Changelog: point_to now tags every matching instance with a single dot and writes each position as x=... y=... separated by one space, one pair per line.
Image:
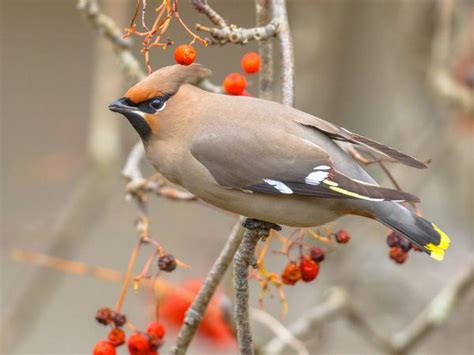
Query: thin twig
x=195 y=313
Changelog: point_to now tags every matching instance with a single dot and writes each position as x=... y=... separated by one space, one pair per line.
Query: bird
x=265 y=160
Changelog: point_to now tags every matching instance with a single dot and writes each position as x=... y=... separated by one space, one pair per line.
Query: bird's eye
x=157 y=103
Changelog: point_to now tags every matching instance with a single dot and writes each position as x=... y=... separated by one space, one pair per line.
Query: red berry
x=138 y=344
x=156 y=329
x=234 y=84
x=250 y=62
x=309 y=268
x=116 y=337
x=245 y=93
x=103 y=347
x=317 y=254
x=342 y=236
x=398 y=255
x=291 y=274
x=184 y=54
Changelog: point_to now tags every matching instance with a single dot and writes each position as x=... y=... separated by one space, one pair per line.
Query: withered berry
x=104 y=315
x=309 y=268
x=167 y=263
x=119 y=319
x=291 y=274
x=342 y=236
x=116 y=337
x=104 y=347
x=395 y=239
x=317 y=254
x=138 y=344
x=398 y=255
x=184 y=54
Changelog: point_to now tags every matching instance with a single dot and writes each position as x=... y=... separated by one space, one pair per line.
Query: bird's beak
x=120 y=106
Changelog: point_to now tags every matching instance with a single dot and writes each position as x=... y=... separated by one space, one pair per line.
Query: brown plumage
x=262 y=159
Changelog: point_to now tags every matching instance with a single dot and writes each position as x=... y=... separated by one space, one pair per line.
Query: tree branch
x=265 y=49
x=287 y=57
x=245 y=256
x=225 y=33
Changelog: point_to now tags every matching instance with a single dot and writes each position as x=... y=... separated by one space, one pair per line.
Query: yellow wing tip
x=437 y=251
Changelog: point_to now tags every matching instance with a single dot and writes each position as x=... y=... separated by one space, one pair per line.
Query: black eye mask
x=152 y=105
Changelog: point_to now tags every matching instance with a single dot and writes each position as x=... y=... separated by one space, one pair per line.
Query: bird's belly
x=295 y=211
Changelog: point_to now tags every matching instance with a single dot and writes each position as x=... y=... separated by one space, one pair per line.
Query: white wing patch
x=317 y=176
x=284 y=189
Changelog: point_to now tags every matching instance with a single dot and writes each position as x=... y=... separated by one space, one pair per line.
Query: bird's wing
x=275 y=165
x=339 y=133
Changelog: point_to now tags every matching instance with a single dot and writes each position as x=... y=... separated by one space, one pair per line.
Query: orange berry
x=116 y=337
x=156 y=329
x=398 y=255
x=103 y=347
x=309 y=268
x=184 y=54
x=234 y=84
x=138 y=344
x=250 y=62
x=291 y=274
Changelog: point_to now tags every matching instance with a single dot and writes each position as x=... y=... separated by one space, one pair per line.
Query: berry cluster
x=139 y=343
x=399 y=247
x=307 y=268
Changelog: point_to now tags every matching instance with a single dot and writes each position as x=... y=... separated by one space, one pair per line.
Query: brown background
x=359 y=63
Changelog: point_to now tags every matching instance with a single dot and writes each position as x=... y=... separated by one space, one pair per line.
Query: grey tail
x=421 y=232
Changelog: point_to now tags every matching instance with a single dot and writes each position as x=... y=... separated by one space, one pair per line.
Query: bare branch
x=305 y=326
x=287 y=57
x=109 y=29
x=204 y=8
x=239 y=35
x=228 y=33
x=279 y=329
x=339 y=304
x=265 y=49
x=195 y=313
x=245 y=257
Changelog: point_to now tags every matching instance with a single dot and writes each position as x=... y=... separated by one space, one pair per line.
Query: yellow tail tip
x=437 y=251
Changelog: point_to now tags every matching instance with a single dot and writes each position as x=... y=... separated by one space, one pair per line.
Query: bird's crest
x=166 y=81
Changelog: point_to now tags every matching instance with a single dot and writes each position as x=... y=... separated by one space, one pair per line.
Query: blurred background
x=368 y=65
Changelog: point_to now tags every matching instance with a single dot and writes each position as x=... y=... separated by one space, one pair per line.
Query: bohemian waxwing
x=264 y=160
